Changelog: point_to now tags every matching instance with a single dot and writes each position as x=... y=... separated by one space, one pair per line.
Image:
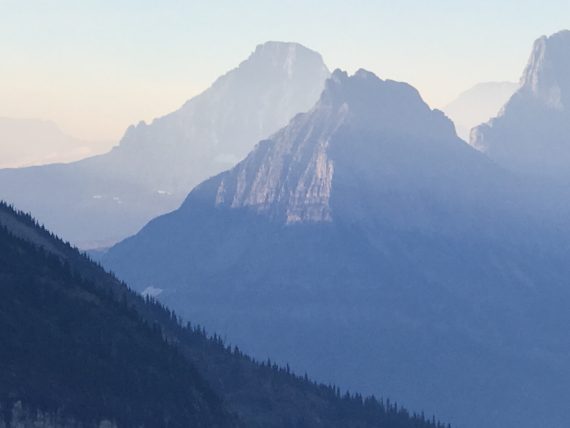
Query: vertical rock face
x=292 y=175
x=547 y=75
x=102 y=199
x=532 y=134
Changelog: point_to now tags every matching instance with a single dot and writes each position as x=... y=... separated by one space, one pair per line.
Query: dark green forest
x=76 y=342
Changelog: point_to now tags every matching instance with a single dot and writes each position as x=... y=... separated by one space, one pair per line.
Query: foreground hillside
x=73 y=349
x=80 y=349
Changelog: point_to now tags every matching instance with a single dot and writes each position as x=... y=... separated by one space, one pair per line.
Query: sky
x=96 y=66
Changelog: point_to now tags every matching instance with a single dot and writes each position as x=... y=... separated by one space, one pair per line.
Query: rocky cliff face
x=531 y=136
x=547 y=74
x=294 y=176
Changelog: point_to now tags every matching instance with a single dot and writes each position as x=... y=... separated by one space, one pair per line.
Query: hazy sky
x=94 y=67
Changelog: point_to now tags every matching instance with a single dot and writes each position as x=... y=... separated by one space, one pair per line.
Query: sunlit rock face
x=531 y=135
x=355 y=134
x=289 y=176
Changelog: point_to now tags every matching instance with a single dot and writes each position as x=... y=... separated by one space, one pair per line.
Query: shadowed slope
x=79 y=347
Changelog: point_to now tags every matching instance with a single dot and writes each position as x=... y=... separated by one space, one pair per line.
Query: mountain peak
x=291 y=57
x=547 y=75
x=155 y=164
x=361 y=123
x=274 y=46
x=530 y=135
x=217 y=128
x=379 y=104
x=361 y=77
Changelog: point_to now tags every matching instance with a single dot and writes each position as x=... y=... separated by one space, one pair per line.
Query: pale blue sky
x=94 y=67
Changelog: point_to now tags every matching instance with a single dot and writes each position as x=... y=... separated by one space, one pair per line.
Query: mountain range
x=358 y=239
x=100 y=200
x=369 y=245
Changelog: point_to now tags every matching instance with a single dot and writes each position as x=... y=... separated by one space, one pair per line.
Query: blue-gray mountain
x=531 y=135
x=365 y=242
x=103 y=199
x=81 y=350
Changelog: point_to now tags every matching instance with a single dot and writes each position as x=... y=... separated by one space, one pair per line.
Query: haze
x=95 y=67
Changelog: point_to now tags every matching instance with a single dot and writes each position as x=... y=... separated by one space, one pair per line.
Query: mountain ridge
x=155 y=165
x=529 y=136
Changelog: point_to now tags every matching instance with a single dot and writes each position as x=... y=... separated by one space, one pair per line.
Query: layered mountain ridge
x=155 y=165
x=368 y=244
x=291 y=175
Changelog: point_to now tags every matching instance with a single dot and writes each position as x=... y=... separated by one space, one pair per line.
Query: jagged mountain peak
x=547 y=75
x=285 y=52
x=368 y=130
x=361 y=87
x=276 y=59
x=383 y=105
x=530 y=134
x=277 y=80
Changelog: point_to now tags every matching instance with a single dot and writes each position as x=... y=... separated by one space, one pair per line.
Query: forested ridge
x=78 y=343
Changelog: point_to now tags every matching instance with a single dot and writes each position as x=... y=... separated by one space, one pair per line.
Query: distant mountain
x=102 y=199
x=478 y=104
x=25 y=142
x=81 y=350
x=369 y=245
x=532 y=133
